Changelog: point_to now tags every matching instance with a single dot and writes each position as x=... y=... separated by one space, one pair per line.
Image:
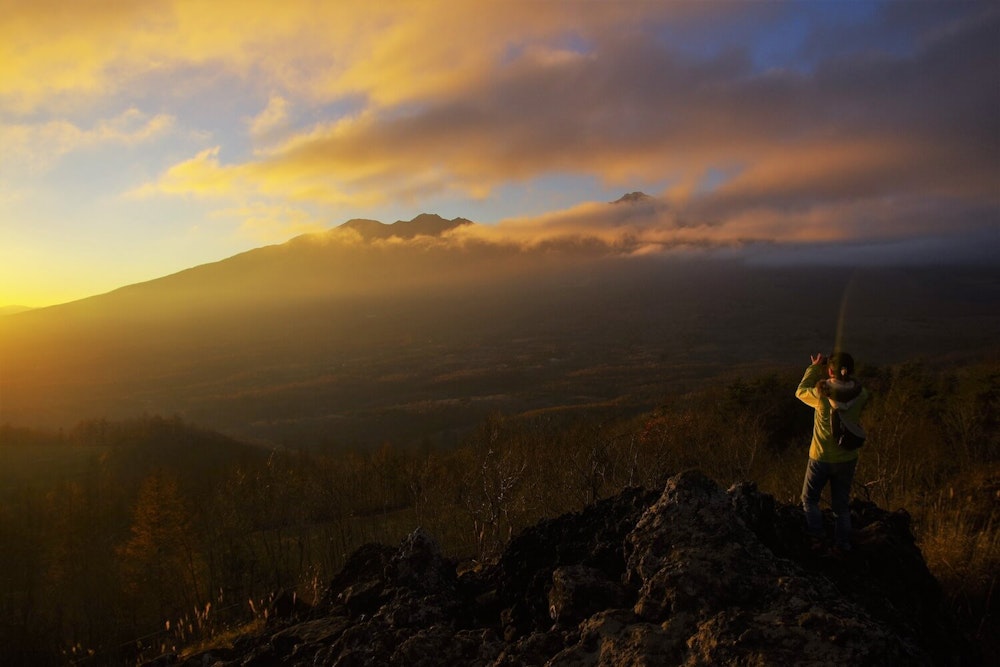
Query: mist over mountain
x=420 y=328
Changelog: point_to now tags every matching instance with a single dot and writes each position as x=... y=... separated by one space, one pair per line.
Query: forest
x=125 y=539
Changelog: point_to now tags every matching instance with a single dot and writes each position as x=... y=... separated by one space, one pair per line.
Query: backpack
x=849 y=435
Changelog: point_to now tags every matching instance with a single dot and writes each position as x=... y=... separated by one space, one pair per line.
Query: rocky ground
x=692 y=575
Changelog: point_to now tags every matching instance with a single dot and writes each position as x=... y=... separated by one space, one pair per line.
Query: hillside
x=126 y=540
x=336 y=340
x=694 y=575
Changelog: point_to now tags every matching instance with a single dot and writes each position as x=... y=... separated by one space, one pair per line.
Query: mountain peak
x=425 y=224
x=632 y=198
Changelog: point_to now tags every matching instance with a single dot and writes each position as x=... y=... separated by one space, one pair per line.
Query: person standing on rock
x=829 y=386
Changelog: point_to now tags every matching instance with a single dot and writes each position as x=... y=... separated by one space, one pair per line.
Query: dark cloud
x=639 y=106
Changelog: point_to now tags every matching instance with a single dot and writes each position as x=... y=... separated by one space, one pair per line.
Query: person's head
x=840 y=365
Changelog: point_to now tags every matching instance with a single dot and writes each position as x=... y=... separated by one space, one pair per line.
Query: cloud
x=626 y=107
x=55 y=54
x=272 y=223
x=35 y=147
x=201 y=175
x=51 y=51
x=271 y=121
x=436 y=99
x=848 y=232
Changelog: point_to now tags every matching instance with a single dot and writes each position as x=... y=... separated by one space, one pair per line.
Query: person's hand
x=818 y=359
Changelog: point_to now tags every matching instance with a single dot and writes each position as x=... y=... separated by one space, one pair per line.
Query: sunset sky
x=141 y=138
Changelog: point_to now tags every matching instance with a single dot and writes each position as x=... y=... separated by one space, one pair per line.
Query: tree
x=492 y=495
x=159 y=562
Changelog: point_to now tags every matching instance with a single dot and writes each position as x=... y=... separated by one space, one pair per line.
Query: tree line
x=152 y=533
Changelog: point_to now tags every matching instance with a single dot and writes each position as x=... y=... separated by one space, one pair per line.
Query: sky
x=138 y=139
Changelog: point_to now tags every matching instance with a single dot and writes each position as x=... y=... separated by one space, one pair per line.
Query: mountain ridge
x=327 y=338
x=425 y=224
x=632 y=198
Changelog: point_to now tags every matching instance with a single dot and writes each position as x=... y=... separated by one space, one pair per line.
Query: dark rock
x=419 y=566
x=361 y=578
x=533 y=649
x=593 y=537
x=286 y=605
x=208 y=658
x=694 y=575
x=364 y=597
x=706 y=576
x=579 y=591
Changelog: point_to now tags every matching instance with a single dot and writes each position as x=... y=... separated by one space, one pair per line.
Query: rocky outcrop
x=692 y=575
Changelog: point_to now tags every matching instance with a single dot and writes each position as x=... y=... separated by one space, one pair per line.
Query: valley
x=412 y=362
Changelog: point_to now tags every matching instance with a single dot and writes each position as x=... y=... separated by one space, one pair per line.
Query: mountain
x=692 y=575
x=328 y=340
x=633 y=198
x=425 y=224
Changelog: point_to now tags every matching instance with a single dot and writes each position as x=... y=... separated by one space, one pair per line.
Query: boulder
x=579 y=591
x=690 y=575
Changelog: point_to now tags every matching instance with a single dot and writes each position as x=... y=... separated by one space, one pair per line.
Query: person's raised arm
x=806 y=391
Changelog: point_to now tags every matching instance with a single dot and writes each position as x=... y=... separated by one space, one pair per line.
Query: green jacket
x=824 y=447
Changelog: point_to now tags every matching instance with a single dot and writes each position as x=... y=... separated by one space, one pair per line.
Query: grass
x=959 y=535
x=223 y=638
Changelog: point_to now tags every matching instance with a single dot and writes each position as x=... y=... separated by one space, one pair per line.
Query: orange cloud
x=625 y=110
x=456 y=99
x=51 y=50
x=657 y=226
x=55 y=53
